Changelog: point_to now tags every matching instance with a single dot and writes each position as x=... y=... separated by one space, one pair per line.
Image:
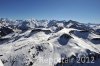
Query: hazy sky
x=79 y=10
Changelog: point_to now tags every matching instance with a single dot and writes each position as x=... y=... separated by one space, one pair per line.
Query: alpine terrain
x=49 y=43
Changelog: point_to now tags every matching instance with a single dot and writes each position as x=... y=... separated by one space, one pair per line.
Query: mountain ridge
x=32 y=42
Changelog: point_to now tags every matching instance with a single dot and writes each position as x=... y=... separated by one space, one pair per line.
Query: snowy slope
x=46 y=43
x=1 y=64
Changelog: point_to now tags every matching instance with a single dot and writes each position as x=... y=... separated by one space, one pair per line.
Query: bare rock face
x=63 y=40
x=5 y=30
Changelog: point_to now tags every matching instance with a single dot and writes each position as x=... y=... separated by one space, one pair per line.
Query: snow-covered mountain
x=49 y=43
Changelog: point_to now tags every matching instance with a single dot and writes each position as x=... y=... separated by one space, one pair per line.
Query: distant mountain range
x=49 y=43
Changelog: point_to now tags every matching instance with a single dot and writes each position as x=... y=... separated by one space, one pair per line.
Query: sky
x=85 y=11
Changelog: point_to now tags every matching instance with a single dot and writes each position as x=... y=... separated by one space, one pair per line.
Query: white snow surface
x=1 y=64
x=29 y=48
